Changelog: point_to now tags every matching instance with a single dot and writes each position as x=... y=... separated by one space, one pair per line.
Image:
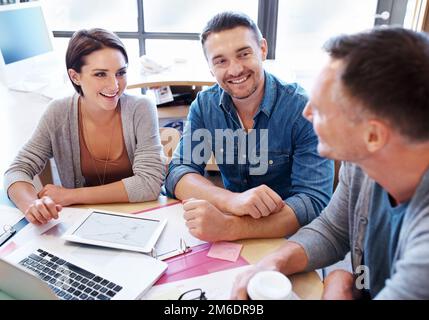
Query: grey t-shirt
x=342 y=227
x=381 y=239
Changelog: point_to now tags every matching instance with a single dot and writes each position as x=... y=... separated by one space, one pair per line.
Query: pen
x=6 y=235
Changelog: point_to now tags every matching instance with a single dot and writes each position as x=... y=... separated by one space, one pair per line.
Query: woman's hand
x=42 y=211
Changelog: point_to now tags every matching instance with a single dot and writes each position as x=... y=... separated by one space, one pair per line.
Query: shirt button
x=244 y=156
x=363 y=220
x=271 y=162
x=358 y=250
x=221 y=150
x=77 y=182
x=245 y=181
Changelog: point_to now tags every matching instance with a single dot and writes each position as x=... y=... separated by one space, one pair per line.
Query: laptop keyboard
x=68 y=281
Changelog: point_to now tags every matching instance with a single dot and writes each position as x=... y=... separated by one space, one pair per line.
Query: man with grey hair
x=274 y=179
x=369 y=108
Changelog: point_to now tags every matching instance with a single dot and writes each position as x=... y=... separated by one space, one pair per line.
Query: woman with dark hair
x=105 y=143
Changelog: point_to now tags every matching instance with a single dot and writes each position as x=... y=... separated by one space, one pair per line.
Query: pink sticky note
x=225 y=250
x=4 y=251
x=196 y=263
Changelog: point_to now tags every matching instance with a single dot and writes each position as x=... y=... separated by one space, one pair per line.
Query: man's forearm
x=193 y=185
x=288 y=259
x=276 y=225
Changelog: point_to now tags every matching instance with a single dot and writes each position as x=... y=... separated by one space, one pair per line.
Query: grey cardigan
x=57 y=136
x=342 y=225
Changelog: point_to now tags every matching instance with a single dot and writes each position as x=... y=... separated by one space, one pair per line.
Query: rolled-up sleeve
x=183 y=162
x=312 y=175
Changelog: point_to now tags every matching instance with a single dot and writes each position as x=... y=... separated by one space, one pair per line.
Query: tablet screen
x=132 y=231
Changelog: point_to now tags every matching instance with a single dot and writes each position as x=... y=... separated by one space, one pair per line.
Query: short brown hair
x=84 y=42
x=387 y=69
x=229 y=20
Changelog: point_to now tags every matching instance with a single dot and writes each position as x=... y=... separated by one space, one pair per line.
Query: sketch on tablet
x=116 y=229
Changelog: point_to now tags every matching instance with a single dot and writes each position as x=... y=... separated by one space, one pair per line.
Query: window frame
x=397 y=9
x=267 y=22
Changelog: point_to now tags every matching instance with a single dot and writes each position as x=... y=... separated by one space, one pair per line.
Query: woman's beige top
x=99 y=171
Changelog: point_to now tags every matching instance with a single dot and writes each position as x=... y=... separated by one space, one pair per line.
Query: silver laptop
x=78 y=273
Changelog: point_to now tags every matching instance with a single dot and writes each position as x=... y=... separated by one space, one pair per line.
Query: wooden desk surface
x=306 y=285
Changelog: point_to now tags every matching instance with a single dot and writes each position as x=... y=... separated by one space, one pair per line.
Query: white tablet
x=116 y=230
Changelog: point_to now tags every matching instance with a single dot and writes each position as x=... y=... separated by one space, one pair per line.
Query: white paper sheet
x=217 y=286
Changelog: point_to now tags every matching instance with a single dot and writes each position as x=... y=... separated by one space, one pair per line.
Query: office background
x=166 y=29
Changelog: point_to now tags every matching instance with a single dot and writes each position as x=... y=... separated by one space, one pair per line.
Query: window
x=167 y=50
x=167 y=29
x=132 y=46
x=161 y=27
x=190 y=15
x=303 y=27
x=164 y=18
x=71 y=15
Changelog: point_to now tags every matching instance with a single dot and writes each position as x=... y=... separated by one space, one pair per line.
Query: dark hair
x=229 y=20
x=84 y=42
x=387 y=69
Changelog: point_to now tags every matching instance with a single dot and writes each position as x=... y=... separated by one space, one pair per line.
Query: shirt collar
x=268 y=100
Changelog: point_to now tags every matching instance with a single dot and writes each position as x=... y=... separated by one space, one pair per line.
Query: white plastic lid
x=269 y=285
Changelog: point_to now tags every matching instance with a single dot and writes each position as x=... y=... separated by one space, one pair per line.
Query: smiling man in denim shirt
x=266 y=151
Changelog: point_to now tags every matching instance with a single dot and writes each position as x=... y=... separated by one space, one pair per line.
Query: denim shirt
x=280 y=151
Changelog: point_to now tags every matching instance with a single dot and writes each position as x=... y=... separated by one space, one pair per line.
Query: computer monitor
x=26 y=50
